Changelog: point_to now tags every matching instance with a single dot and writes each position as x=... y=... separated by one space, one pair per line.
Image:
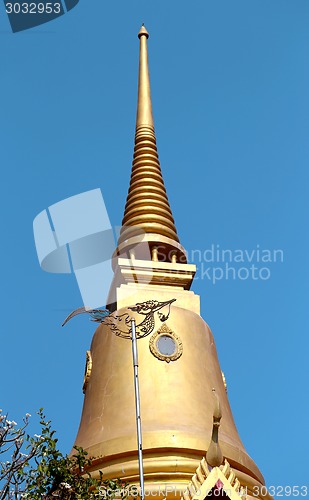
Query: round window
x=166 y=345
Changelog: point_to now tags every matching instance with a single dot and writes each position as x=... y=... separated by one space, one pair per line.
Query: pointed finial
x=144 y=106
x=214 y=455
x=143 y=31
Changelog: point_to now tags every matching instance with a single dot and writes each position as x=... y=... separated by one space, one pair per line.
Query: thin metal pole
x=138 y=410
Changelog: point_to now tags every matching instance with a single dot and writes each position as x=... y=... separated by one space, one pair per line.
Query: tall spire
x=147 y=211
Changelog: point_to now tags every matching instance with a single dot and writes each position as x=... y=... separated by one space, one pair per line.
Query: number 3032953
x=33 y=8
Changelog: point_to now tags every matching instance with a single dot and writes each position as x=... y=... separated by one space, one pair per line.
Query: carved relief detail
x=165 y=331
x=88 y=368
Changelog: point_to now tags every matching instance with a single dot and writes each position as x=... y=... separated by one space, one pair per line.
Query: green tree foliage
x=33 y=468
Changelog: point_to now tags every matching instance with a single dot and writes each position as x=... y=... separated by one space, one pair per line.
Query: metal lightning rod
x=138 y=410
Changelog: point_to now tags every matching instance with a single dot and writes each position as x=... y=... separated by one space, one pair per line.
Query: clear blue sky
x=230 y=84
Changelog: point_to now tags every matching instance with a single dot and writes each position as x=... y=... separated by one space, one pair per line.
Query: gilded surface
x=176 y=405
x=147 y=209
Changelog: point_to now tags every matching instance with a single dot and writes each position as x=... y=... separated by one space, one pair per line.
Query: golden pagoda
x=183 y=393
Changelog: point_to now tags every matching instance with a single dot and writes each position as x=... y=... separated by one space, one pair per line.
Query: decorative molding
x=88 y=368
x=224 y=381
x=165 y=330
x=154 y=273
x=206 y=478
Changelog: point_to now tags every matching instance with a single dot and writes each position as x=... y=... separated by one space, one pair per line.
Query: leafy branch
x=33 y=468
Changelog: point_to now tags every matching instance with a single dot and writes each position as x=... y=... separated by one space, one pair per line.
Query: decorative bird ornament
x=97 y=315
x=148 y=309
x=121 y=324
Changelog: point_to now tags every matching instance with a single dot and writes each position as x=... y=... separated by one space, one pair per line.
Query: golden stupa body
x=175 y=390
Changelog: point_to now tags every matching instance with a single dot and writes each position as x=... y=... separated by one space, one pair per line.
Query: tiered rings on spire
x=147 y=204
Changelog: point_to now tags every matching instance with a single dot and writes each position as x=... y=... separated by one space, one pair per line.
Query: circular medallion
x=165 y=344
